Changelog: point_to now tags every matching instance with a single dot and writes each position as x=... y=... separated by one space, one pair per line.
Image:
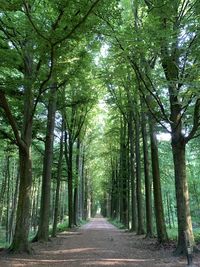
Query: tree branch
x=78 y=24
x=27 y=12
x=42 y=85
x=4 y=105
x=196 y=121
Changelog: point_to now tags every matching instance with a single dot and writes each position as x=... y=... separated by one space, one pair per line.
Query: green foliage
x=103 y=62
x=117 y=223
x=172 y=233
x=62 y=226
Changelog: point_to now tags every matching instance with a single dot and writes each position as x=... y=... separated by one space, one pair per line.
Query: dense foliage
x=99 y=112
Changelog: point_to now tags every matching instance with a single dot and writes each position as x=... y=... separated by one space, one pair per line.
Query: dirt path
x=97 y=243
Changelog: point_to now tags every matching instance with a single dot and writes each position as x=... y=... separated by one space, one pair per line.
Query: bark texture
x=158 y=203
x=43 y=228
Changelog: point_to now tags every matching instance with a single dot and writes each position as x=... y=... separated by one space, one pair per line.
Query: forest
x=99 y=113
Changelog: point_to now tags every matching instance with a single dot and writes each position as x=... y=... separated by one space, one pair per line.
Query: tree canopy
x=99 y=112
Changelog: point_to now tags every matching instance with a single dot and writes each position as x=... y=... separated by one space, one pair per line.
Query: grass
x=3 y=243
x=61 y=227
x=196 y=231
x=64 y=226
x=82 y=222
x=117 y=223
x=173 y=232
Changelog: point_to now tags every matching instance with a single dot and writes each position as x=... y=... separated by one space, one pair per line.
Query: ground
x=97 y=243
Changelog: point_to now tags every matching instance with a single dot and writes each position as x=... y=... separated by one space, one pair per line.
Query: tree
x=58 y=181
x=43 y=228
x=176 y=57
x=34 y=47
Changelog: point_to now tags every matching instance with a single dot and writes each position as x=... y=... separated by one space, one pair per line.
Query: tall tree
x=58 y=181
x=176 y=57
x=43 y=228
x=148 y=196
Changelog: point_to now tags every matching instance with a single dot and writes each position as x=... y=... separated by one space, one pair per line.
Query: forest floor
x=97 y=243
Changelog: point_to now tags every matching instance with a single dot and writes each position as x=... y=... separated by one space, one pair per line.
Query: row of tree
x=152 y=74
x=45 y=97
x=52 y=75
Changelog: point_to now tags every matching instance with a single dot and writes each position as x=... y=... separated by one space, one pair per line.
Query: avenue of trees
x=99 y=111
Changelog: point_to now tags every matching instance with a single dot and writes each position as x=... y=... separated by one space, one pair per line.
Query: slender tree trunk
x=8 y=197
x=132 y=175
x=58 y=180
x=13 y=211
x=85 y=194
x=117 y=174
x=69 y=160
x=158 y=203
x=123 y=175
x=33 y=210
x=148 y=201
x=82 y=188
x=140 y=228
x=113 y=196
x=168 y=209
x=3 y=191
x=70 y=185
x=172 y=214
x=43 y=228
x=76 y=182
x=37 y=203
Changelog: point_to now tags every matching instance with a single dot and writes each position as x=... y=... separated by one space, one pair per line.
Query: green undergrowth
x=61 y=227
x=173 y=232
x=82 y=222
x=64 y=225
x=117 y=223
x=196 y=232
x=3 y=243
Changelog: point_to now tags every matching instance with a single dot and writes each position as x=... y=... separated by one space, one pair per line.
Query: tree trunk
x=20 y=241
x=182 y=197
x=13 y=212
x=148 y=201
x=76 y=183
x=58 y=180
x=169 y=64
x=158 y=203
x=43 y=228
x=8 y=187
x=85 y=194
x=168 y=209
x=132 y=175
x=123 y=175
x=69 y=160
x=82 y=187
x=3 y=191
x=114 y=190
x=140 y=224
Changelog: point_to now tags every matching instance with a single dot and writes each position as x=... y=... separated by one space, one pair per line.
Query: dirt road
x=97 y=243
